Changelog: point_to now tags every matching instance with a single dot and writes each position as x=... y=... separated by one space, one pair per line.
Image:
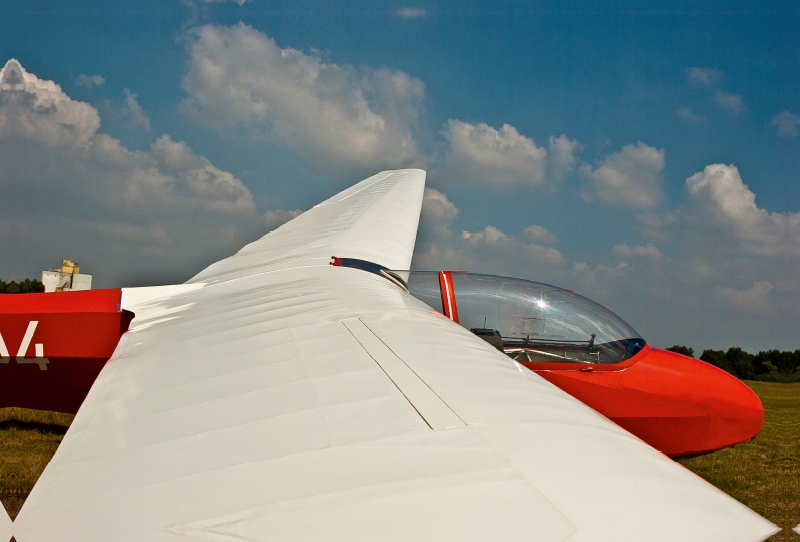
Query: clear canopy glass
x=536 y=321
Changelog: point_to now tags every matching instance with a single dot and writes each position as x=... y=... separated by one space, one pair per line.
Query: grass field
x=28 y=439
x=764 y=473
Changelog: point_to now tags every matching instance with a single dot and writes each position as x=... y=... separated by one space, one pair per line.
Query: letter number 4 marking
x=38 y=349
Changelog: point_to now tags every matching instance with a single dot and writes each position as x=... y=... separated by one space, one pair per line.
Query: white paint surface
x=428 y=405
x=6 y=527
x=245 y=410
x=132 y=298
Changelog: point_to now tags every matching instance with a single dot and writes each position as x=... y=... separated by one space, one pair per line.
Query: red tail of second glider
x=53 y=346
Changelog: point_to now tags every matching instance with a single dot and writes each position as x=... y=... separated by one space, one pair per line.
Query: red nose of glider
x=695 y=407
x=679 y=405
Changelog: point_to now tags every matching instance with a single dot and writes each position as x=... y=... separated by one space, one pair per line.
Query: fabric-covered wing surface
x=374 y=220
x=282 y=398
x=5 y=525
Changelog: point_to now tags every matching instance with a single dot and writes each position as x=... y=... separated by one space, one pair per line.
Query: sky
x=643 y=154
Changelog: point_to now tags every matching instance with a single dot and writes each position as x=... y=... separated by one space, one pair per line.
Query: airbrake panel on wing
x=430 y=406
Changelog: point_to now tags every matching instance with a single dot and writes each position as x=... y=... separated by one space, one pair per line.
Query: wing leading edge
x=374 y=220
x=281 y=398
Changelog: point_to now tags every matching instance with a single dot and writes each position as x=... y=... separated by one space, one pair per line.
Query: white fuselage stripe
x=26 y=339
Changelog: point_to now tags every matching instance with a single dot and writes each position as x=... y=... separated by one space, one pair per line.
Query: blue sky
x=644 y=154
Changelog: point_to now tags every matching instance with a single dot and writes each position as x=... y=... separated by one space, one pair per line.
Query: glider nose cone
x=718 y=409
x=739 y=414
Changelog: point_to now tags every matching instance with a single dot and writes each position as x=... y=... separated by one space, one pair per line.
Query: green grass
x=28 y=439
x=763 y=473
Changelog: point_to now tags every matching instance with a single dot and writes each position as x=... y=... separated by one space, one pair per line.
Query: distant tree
x=769 y=366
x=765 y=362
x=777 y=366
x=788 y=362
x=717 y=359
x=26 y=286
x=769 y=373
x=741 y=363
x=683 y=350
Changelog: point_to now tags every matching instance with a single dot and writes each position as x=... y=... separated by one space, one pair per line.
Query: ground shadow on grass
x=52 y=428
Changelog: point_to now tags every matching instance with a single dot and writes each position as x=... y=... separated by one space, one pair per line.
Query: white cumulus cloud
x=67 y=184
x=540 y=234
x=488 y=250
x=720 y=239
x=38 y=110
x=647 y=251
x=753 y=299
x=438 y=213
x=730 y=101
x=491 y=242
x=678 y=288
x=628 y=178
x=136 y=115
x=787 y=123
x=437 y=206
x=704 y=76
x=686 y=113
x=483 y=156
x=89 y=81
x=720 y=204
x=411 y=13
x=490 y=235
x=337 y=116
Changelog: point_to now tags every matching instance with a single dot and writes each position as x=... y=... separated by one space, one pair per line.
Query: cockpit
x=529 y=321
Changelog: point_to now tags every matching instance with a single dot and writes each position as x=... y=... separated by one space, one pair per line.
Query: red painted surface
x=77 y=331
x=448 y=292
x=679 y=405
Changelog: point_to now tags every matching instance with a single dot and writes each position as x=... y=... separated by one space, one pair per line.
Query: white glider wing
x=5 y=525
x=277 y=397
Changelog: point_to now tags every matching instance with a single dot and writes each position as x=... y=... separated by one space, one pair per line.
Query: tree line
x=27 y=286
x=767 y=366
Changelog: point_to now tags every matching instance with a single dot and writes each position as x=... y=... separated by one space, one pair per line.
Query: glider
x=681 y=406
x=275 y=396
